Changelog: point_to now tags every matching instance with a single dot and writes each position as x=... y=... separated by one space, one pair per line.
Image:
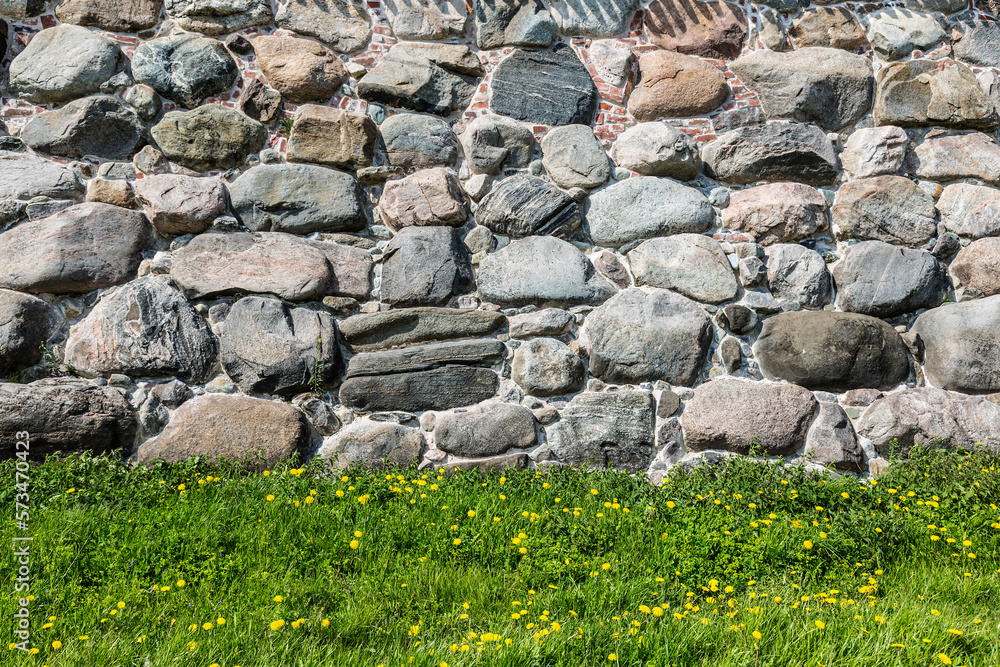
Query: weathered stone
x=513 y=23
x=187 y=69
x=415 y=141
x=977 y=266
x=968 y=210
x=737 y=319
x=673 y=85
x=63 y=63
x=25 y=176
x=932 y=92
x=493 y=143
x=541 y=270
x=392 y=328
x=776 y=212
x=545 y=322
x=260 y=102
x=961 y=345
x=705 y=29
x=772 y=30
x=884 y=208
x=645 y=334
x=547 y=367
x=574 y=158
x=611 y=267
x=831 y=351
x=332 y=137
x=829 y=87
x=26 y=323
x=428 y=197
x=831 y=440
x=110 y=15
x=874 y=151
x=656 y=149
x=645 y=206
x=256 y=432
x=486 y=429
x=734 y=415
x=612 y=59
x=300 y=69
x=435 y=389
x=177 y=204
x=218 y=17
x=209 y=137
x=594 y=18
x=948 y=158
x=876 y=278
x=270 y=263
x=427 y=20
x=100 y=126
x=145 y=328
x=269 y=347
x=605 y=429
x=932 y=417
x=374 y=445
x=111 y=191
x=77 y=250
x=799 y=274
x=425 y=266
x=946 y=6
x=478 y=352
x=544 y=87
x=343 y=26
x=788 y=152
x=523 y=205
x=437 y=78
x=895 y=33
x=65 y=415
x=691 y=264
x=975 y=42
x=298 y=198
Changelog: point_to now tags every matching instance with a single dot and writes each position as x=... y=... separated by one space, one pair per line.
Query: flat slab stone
x=475 y=352
x=523 y=205
x=605 y=430
x=435 y=389
x=704 y=29
x=393 y=328
x=110 y=15
x=932 y=92
x=544 y=87
x=776 y=212
x=215 y=17
x=962 y=345
x=691 y=264
x=487 y=429
x=884 y=208
x=883 y=280
x=789 y=152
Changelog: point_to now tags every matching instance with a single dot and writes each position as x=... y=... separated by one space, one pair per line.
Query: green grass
x=561 y=568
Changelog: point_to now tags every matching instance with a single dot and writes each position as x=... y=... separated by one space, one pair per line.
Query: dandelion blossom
x=820 y=624
x=277 y=625
x=944 y=658
x=471 y=513
x=57 y=645
x=206 y=626
x=181 y=583
x=807 y=544
x=757 y=635
x=278 y=598
x=355 y=544
x=456 y=541
x=612 y=657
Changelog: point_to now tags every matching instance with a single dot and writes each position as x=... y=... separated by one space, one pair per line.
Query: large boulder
x=544 y=87
x=951 y=157
x=270 y=347
x=523 y=205
x=574 y=158
x=144 y=328
x=971 y=211
x=513 y=23
x=418 y=141
x=342 y=26
x=486 y=429
x=300 y=69
x=709 y=30
x=605 y=430
x=799 y=274
x=426 y=198
x=110 y=15
x=829 y=87
x=736 y=415
x=218 y=17
x=333 y=137
x=547 y=367
x=884 y=208
x=25 y=176
x=895 y=33
x=691 y=264
x=374 y=445
x=99 y=126
x=594 y=18
x=210 y=137
x=437 y=78
x=393 y=328
x=646 y=334
x=776 y=212
x=883 y=280
x=297 y=198
x=977 y=266
x=77 y=250
x=932 y=92
x=831 y=351
x=672 y=86
x=962 y=345
x=178 y=204
x=254 y=431
x=787 y=152
x=643 y=207
x=187 y=69
x=63 y=63
x=26 y=323
x=657 y=149
x=65 y=415
x=493 y=143
x=425 y=266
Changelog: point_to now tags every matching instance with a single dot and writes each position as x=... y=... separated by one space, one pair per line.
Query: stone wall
x=504 y=233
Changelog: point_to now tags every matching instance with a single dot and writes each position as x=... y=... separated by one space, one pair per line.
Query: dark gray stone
x=738 y=319
x=476 y=352
x=435 y=78
x=976 y=42
x=605 y=430
x=523 y=205
x=24 y=176
x=435 y=389
x=393 y=328
x=544 y=87
x=260 y=102
x=26 y=323
x=425 y=266
x=594 y=18
x=962 y=345
x=832 y=441
x=415 y=141
x=513 y=23
x=787 y=152
x=99 y=126
x=218 y=17
x=875 y=278
x=187 y=69
x=486 y=429
x=493 y=143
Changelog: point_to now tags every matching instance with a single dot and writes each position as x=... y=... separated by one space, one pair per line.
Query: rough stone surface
x=797 y=273
x=260 y=102
x=657 y=149
x=789 y=152
x=300 y=69
x=594 y=18
x=961 y=345
x=975 y=42
x=776 y=212
x=487 y=429
x=513 y=23
x=416 y=141
x=831 y=440
x=932 y=92
x=26 y=322
x=435 y=389
x=833 y=27
x=691 y=264
x=427 y=20
x=428 y=197
x=342 y=26
x=524 y=205
x=333 y=137
x=393 y=328
x=612 y=59
x=948 y=158
x=645 y=334
x=99 y=126
x=705 y=29
x=545 y=322
x=895 y=33
x=187 y=69
x=574 y=158
x=672 y=85
x=968 y=210
x=218 y=17
x=885 y=208
x=110 y=15
x=547 y=367
x=493 y=143
x=374 y=445
x=178 y=204
x=425 y=266
x=544 y=87
x=601 y=429
x=479 y=352
x=874 y=151
x=977 y=266
x=25 y=176
x=437 y=78
x=209 y=137
x=876 y=278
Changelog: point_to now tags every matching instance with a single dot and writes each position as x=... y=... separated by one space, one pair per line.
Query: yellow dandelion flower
x=309 y=500
x=471 y=513
x=612 y=657
x=357 y=533
x=757 y=635
x=57 y=645
x=325 y=623
x=657 y=611
x=944 y=658
x=121 y=605
x=355 y=544
x=958 y=633
x=807 y=544
x=278 y=598
x=181 y=583
x=644 y=609
x=181 y=487
x=206 y=626
x=820 y=624
x=671 y=504
x=456 y=541
x=277 y=625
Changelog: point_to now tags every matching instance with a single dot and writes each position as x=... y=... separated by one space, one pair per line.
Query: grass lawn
x=201 y=565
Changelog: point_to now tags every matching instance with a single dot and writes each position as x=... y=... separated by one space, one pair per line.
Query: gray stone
x=895 y=33
x=486 y=429
x=218 y=17
x=961 y=345
x=26 y=323
x=831 y=351
x=260 y=102
x=948 y=158
x=24 y=176
x=374 y=445
x=946 y=6
x=144 y=101
x=178 y=204
x=544 y=87
x=752 y=271
x=874 y=151
x=646 y=334
x=730 y=355
x=513 y=23
x=392 y=328
x=541 y=270
x=977 y=266
x=65 y=415
x=426 y=20
x=776 y=212
x=691 y=264
x=63 y=63
x=435 y=389
x=298 y=198
x=77 y=250
x=932 y=92
x=884 y=208
x=99 y=126
x=545 y=322
x=797 y=273
x=975 y=42
x=574 y=158
x=209 y=137
x=425 y=266
x=269 y=347
x=772 y=30
x=787 y=152
x=523 y=205
x=547 y=367
x=737 y=319
x=605 y=429
x=493 y=143
x=187 y=69
x=428 y=356
x=833 y=27
x=110 y=15
x=437 y=78
x=971 y=211
x=612 y=59
x=831 y=440
x=594 y=18
x=343 y=26
x=656 y=149
x=426 y=198
x=611 y=267
x=643 y=207
x=480 y=239
x=829 y=87
x=876 y=278
x=144 y=328
x=415 y=141
x=733 y=415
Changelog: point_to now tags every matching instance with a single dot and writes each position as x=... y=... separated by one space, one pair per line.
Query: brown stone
x=777 y=212
x=177 y=204
x=260 y=102
x=977 y=266
x=300 y=69
x=115 y=192
x=705 y=29
x=111 y=15
x=332 y=137
x=827 y=26
x=428 y=197
x=672 y=86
